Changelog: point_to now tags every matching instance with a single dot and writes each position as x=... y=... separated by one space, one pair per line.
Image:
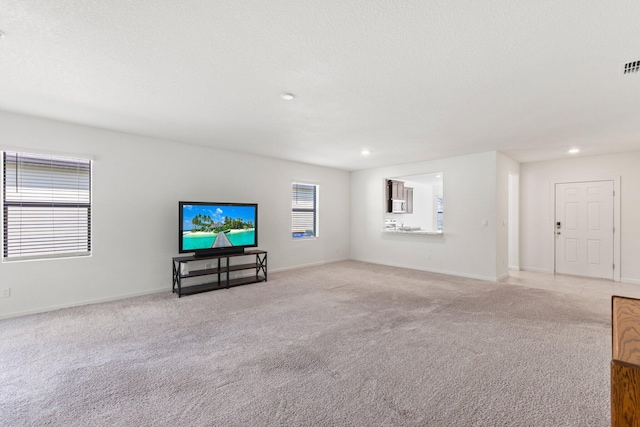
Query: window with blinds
x=304 y=211
x=46 y=206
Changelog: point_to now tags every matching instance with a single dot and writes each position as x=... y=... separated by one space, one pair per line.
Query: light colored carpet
x=346 y=344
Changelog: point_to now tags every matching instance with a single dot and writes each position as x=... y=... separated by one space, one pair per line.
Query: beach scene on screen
x=217 y=226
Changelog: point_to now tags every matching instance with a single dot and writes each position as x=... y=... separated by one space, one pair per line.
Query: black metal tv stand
x=220 y=270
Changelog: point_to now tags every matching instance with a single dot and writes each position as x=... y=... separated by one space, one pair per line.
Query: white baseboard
x=535 y=270
x=135 y=294
x=81 y=303
x=313 y=264
x=630 y=281
x=448 y=273
x=504 y=276
x=153 y=291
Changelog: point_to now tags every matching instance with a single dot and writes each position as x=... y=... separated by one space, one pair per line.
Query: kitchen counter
x=410 y=230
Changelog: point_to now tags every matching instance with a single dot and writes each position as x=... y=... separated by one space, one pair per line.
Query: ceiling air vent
x=632 y=67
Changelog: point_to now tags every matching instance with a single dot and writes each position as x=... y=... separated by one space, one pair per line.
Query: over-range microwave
x=398 y=206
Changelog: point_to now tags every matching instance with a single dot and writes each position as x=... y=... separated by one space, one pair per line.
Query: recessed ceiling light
x=287 y=96
x=574 y=151
x=365 y=152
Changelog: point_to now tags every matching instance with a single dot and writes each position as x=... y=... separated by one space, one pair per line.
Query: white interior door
x=584 y=229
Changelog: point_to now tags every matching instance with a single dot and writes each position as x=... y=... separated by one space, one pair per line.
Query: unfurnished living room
x=316 y=213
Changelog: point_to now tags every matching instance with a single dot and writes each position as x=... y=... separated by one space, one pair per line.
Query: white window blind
x=304 y=210
x=46 y=206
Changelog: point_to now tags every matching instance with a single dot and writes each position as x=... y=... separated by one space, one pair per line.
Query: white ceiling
x=409 y=80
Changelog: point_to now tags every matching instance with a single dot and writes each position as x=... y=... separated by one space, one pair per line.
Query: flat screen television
x=208 y=228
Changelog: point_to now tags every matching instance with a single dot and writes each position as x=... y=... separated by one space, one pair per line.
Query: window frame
x=58 y=200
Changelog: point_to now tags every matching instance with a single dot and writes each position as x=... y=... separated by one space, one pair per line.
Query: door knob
x=558 y=233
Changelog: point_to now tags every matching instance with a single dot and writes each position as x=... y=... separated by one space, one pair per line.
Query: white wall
x=137 y=183
x=466 y=248
x=536 y=220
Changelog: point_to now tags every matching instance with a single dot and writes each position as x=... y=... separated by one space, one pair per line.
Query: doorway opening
x=513 y=230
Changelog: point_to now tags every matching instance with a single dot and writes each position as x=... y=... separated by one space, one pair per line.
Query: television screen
x=217 y=227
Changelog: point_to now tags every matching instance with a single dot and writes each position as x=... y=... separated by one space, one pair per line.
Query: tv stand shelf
x=221 y=272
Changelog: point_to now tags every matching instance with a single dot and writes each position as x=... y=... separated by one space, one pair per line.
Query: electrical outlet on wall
x=5 y=292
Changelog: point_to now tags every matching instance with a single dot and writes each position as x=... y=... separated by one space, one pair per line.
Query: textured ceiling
x=409 y=80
